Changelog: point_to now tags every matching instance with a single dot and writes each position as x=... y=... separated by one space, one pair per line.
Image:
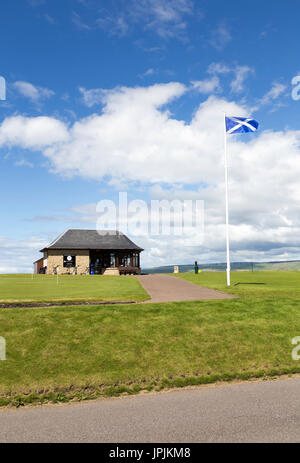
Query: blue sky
x=115 y=83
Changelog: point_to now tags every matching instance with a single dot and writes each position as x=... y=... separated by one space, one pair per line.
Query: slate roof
x=93 y=239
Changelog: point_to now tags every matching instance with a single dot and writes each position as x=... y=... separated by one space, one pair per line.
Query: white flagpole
x=226 y=205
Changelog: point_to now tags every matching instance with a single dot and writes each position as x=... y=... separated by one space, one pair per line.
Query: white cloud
x=274 y=93
x=79 y=23
x=218 y=68
x=32 y=133
x=166 y=18
x=23 y=163
x=220 y=37
x=149 y=72
x=135 y=139
x=18 y=256
x=34 y=93
x=241 y=74
x=92 y=96
x=207 y=85
x=116 y=25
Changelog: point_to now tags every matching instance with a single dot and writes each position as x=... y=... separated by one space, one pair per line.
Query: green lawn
x=70 y=288
x=248 y=284
x=65 y=353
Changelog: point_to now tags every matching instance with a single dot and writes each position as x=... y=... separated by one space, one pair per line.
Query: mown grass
x=77 y=353
x=70 y=288
x=249 y=284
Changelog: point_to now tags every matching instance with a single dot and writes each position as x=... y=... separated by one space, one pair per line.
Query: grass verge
x=77 y=394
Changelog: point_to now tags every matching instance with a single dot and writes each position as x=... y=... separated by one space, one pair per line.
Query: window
x=124 y=260
x=69 y=261
x=112 y=260
x=135 y=260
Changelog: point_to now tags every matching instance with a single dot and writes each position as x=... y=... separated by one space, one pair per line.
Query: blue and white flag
x=240 y=125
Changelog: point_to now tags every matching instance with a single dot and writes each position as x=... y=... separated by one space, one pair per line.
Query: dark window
x=69 y=261
x=125 y=260
x=112 y=260
x=135 y=260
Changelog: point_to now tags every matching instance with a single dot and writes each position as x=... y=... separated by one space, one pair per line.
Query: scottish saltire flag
x=240 y=125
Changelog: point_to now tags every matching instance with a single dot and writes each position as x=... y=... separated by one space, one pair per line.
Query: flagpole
x=226 y=205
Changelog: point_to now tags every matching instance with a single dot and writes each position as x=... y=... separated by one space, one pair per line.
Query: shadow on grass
x=241 y=283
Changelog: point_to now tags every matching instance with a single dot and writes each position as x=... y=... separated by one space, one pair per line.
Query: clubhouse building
x=78 y=251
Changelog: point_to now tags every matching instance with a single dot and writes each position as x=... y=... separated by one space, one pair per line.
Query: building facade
x=84 y=252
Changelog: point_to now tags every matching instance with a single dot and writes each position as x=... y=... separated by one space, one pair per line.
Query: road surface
x=266 y=411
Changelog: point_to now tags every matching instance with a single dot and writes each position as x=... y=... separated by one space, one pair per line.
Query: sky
x=109 y=96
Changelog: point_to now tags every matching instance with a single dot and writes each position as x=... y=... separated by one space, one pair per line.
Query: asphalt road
x=267 y=411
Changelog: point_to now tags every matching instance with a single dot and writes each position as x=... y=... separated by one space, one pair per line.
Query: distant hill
x=235 y=267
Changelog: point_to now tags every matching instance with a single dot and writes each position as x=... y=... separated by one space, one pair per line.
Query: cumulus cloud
x=207 y=85
x=32 y=132
x=136 y=139
x=34 y=93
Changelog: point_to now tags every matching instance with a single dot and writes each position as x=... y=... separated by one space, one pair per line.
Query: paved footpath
x=166 y=288
x=266 y=411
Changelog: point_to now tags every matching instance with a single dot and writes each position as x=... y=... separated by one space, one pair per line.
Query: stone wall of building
x=56 y=259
